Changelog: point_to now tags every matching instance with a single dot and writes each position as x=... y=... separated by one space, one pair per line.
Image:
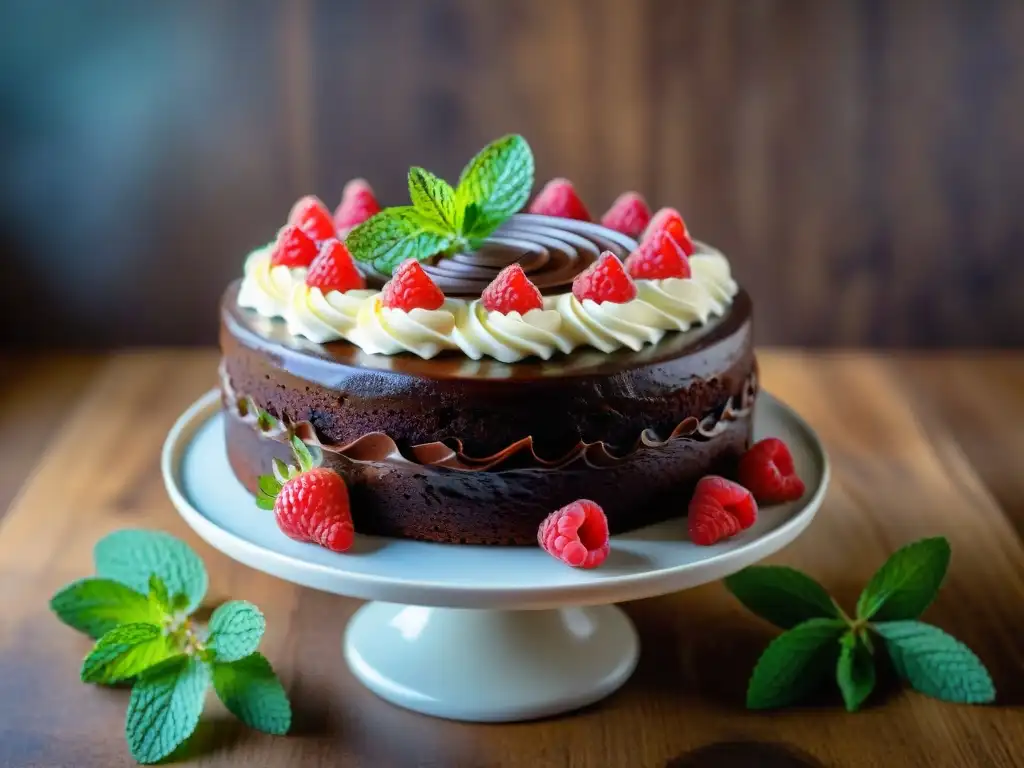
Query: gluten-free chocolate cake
x=468 y=368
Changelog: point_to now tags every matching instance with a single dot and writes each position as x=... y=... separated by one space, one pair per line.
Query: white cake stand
x=480 y=633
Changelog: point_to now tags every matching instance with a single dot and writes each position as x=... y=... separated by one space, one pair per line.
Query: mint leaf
x=235 y=630
x=132 y=556
x=795 y=663
x=394 y=235
x=470 y=215
x=165 y=706
x=251 y=691
x=96 y=606
x=124 y=652
x=498 y=180
x=784 y=596
x=434 y=198
x=855 y=672
x=158 y=594
x=907 y=583
x=936 y=663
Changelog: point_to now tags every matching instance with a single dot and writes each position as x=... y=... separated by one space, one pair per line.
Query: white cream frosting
x=267 y=288
x=565 y=323
x=323 y=317
x=381 y=330
x=510 y=337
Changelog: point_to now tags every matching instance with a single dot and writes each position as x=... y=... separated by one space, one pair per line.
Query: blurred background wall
x=862 y=163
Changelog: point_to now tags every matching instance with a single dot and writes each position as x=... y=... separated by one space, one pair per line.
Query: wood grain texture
x=860 y=162
x=920 y=446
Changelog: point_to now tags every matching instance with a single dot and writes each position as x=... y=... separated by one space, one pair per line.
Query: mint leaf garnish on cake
x=139 y=613
x=822 y=642
x=442 y=220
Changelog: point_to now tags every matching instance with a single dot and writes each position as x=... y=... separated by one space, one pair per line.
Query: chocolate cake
x=463 y=423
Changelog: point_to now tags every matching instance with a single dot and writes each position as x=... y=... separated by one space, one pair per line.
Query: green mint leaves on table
x=494 y=185
x=821 y=641
x=138 y=608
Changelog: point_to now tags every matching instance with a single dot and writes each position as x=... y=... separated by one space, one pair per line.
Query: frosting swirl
x=551 y=251
x=386 y=331
x=508 y=338
x=322 y=318
x=267 y=288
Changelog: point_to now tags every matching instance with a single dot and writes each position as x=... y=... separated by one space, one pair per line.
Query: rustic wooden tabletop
x=920 y=445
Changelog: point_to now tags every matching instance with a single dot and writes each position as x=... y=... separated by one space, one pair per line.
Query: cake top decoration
x=444 y=220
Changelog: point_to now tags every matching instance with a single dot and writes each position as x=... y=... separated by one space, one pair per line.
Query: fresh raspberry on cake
x=669 y=221
x=604 y=280
x=658 y=258
x=358 y=204
x=559 y=198
x=629 y=214
x=511 y=291
x=334 y=269
x=767 y=470
x=411 y=288
x=311 y=216
x=719 y=509
x=293 y=248
x=577 y=534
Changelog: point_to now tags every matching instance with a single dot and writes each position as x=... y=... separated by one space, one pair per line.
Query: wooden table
x=920 y=445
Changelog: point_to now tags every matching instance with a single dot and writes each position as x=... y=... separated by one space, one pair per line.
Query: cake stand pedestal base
x=491 y=665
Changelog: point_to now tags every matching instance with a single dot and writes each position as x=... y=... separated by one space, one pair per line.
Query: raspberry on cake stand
x=491 y=634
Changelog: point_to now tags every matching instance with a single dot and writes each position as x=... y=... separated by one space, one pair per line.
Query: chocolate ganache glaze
x=456 y=450
x=551 y=250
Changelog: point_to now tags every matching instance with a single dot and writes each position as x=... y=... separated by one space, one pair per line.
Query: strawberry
x=669 y=221
x=311 y=216
x=310 y=502
x=657 y=258
x=719 y=509
x=577 y=534
x=411 y=288
x=604 y=280
x=559 y=198
x=293 y=248
x=629 y=214
x=511 y=291
x=334 y=269
x=357 y=205
x=767 y=470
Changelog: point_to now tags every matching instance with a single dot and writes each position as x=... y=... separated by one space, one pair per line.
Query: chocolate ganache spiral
x=551 y=250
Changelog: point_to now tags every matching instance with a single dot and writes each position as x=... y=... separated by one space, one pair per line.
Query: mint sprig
x=139 y=613
x=494 y=185
x=822 y=642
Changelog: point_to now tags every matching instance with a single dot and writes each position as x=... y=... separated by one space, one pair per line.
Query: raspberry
x=411 y=288
x=334 y=270
x=511 y=291
x=312 y=217
x=604 y=280
x=356 y=206
x=559 y=198
x=767 y=470
x=719 y=509
x=629 y=214
x=669 y=221
x=313 y=506
x=293 y=248
x=657 y=258
x=577 y=534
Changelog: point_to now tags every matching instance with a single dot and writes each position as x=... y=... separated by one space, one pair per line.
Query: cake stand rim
x=445 y=595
